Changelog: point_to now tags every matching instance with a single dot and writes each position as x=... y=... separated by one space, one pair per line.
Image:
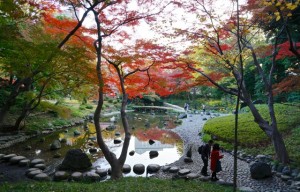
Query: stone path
x=189 y=130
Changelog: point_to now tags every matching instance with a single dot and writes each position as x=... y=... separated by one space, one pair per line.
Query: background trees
x=226 y=45
x=69 y=47
x=35 y=66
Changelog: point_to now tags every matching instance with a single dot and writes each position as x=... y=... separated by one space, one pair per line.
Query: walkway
x=189 y=132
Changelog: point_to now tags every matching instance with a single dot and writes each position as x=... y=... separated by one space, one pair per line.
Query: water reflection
x=143 y=128
x=167 y=153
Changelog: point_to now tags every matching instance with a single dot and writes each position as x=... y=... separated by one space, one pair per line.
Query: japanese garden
x=122 y=95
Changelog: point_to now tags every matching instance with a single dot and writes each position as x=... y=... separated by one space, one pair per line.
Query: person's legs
x=204 y=168
x=214 y=176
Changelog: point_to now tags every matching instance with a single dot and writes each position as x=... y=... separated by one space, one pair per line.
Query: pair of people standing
x=215 y=156
x=186 y=107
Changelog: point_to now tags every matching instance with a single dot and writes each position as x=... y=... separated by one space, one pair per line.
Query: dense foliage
x=250 y=135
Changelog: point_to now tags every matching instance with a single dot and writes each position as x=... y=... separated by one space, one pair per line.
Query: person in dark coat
x=215 y=164
x=205 y=155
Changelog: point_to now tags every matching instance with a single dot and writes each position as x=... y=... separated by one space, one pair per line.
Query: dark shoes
x=214 y=179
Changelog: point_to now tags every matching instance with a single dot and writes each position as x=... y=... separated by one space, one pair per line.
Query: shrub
x=250 y=135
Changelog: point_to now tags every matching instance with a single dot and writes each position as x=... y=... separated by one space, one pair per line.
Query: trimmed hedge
x=249 y=133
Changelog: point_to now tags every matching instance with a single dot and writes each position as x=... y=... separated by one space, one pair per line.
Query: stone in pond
x=139 y=169
x=153 y=168
x=153 y=154
x=131 y=153
x=126 y=168
x=117 y=141
x=55 y=145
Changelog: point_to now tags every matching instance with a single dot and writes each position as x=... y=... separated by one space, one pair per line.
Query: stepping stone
x=34 y=173
x=182 y=172
x=102 y=172
x=36 y=161
x=139 y=169
x=191 y=176
x=24 y=162
x=91 y=176
x=30 y=169
x=41 y=177
x=77 y=176
x=40 y=166
x=8 y=157
x=204 y=178
x=174 y=169
x=153 y=168
x=16 y=159
x=60 y=176
x=126 y=168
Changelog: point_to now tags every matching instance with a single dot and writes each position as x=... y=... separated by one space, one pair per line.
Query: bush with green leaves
x=249 y=133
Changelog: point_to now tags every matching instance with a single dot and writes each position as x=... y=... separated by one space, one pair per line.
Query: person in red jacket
x=215 y=163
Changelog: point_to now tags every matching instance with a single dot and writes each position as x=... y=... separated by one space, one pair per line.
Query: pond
x=144 y=127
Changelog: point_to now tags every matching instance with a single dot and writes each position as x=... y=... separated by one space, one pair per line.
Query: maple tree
x=35 y=69
x=111 y=22
x=226 y=46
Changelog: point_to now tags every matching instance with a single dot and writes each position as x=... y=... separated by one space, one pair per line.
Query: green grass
x=251 y=138
x=137 y=184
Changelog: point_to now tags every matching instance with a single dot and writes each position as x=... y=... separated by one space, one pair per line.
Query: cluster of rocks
x=263 y=166
x=76 y=166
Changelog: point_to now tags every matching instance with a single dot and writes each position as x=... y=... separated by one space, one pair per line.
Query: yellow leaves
x=267 y=3
x=284 y=7
x=277 y=15
x=278 y=4
x=292 y=6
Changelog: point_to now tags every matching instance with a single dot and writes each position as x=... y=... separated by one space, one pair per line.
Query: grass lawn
x=132 y=184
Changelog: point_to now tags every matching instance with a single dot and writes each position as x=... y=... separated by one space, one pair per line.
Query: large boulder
x=260 y=170
x=75 y=160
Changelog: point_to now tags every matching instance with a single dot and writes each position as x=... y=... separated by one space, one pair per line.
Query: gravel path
x=189 y=130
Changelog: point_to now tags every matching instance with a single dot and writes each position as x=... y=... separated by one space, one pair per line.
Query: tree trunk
x=271 y=131
x=280 y=149
x=13 y=95
x=116 y=170
x=22 y=116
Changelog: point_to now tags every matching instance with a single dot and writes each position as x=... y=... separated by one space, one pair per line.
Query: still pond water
x=143 y=128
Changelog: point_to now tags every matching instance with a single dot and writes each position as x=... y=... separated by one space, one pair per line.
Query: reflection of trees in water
x=164 y=136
